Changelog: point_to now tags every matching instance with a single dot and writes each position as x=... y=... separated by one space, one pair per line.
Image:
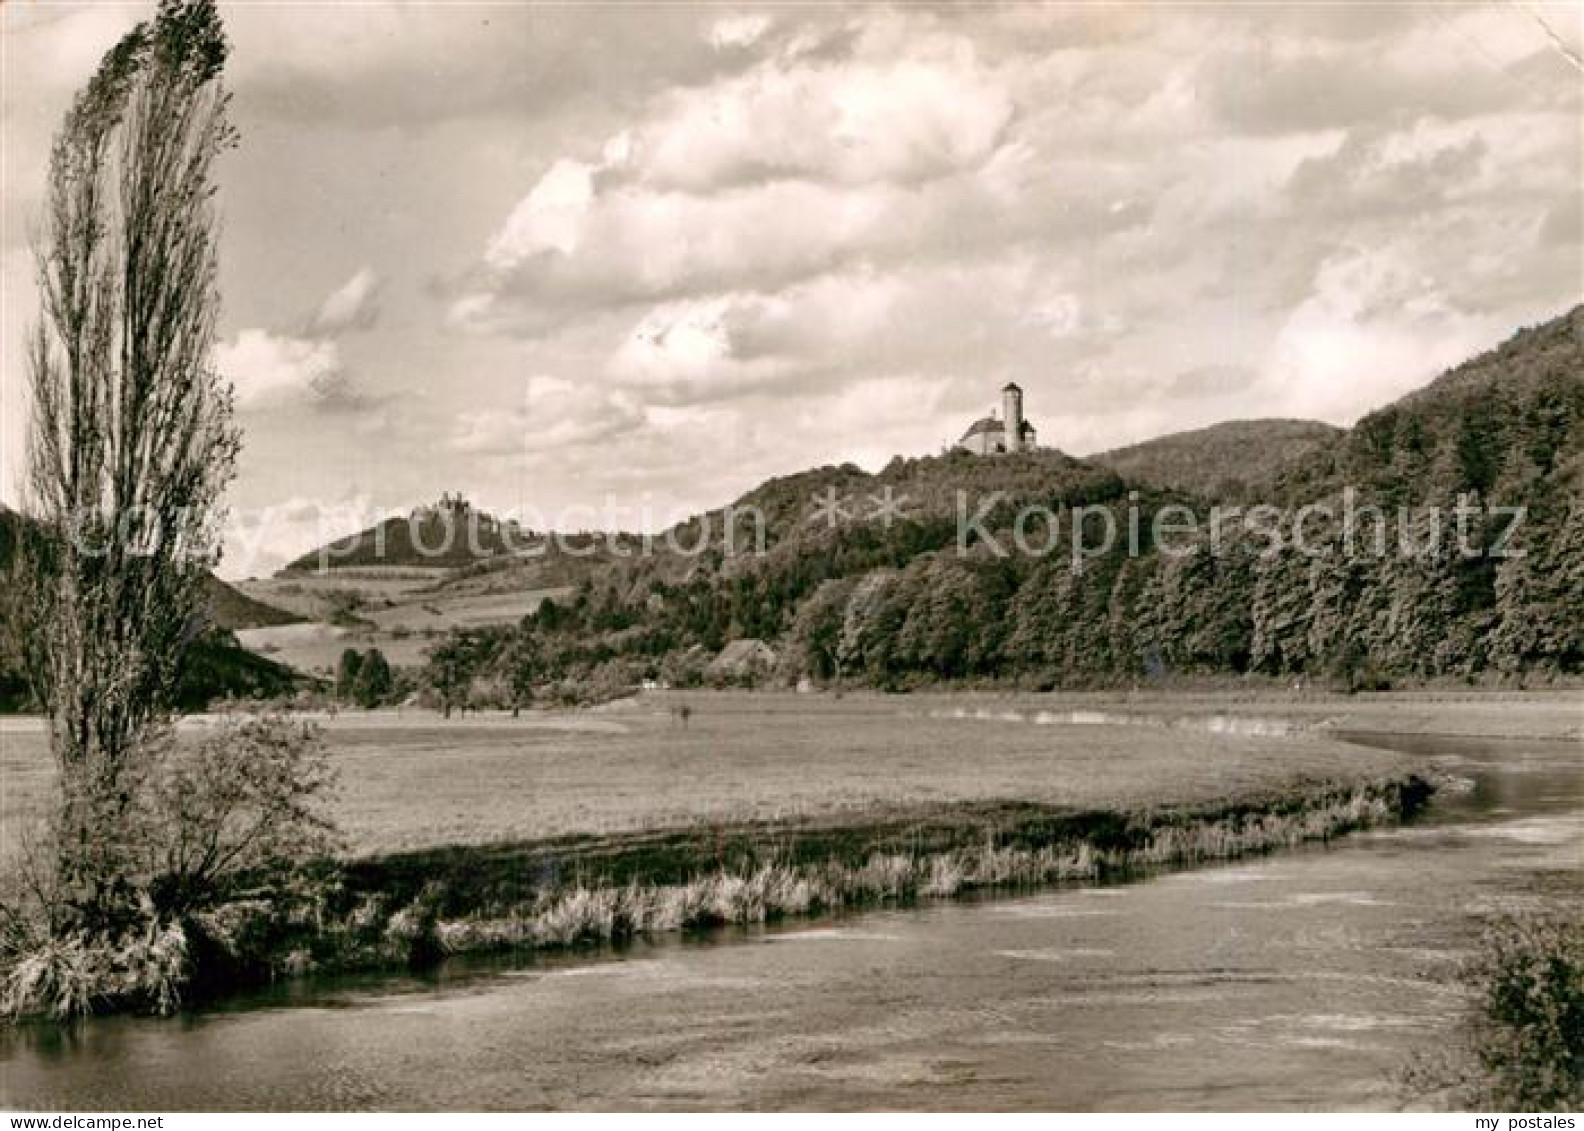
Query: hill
x=217 y=666
x=448 y=535
x=1360 y=592
x=1227 y=461
x=966 y=568
x=234 y=611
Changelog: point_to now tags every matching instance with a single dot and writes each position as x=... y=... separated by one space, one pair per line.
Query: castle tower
x=1012 y=415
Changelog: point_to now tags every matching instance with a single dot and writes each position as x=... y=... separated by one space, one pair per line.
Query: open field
x=399 y=610
x=315 y=648
x=414 y=780
x=469 y=609
x=315 y=595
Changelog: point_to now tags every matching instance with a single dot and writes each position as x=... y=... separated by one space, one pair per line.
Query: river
x=1301 y=980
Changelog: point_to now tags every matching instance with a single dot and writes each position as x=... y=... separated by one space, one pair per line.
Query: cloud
x=1372 y=330
x=352 y=306
x=789 y=169
x=680 y=346
x=635 y=246
x=900 y=110
x=553 y=418
x=1380 y=172
x=819 y=233
x=392 y=64
x=272 y=371
x=550 y=218
x=731 y=32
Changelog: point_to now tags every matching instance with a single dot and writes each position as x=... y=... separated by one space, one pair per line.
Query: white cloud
x=904 y=117
x=754 y=181
x=834 y=233
x=636 y=244
x=555 y=416
x=550 y=218
x=272 y=371
x=352 y=306
x=731 y=32
x=1372 y=330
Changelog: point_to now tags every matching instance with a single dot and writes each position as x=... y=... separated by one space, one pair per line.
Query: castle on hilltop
x=449 y=504
x=1011 y=432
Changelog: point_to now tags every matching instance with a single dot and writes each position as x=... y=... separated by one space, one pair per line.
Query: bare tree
x=131 y=441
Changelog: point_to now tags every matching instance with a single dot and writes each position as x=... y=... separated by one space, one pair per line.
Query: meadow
x=412 y=780
x=402 y=612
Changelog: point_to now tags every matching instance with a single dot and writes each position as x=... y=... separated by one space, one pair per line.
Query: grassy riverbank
x=603 y=889
x=574 y=829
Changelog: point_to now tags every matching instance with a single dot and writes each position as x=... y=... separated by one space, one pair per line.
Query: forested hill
x=1229 y=461
x=933 y=568
x=216 y=666
x=895 y=602
x=1502 y=424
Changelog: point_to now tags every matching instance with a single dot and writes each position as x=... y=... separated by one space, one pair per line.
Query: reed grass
x=590 y=911
x=70 y=977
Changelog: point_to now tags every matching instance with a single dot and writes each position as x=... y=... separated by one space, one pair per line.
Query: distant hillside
x=233 y=610
x=1498 y=424
x=1225 y=461
x=229 y=609
x=217 y=666
x=448 y=535
x=894 y=603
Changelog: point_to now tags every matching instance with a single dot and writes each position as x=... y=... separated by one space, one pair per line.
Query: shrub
x=68 y=977
x=56 y=979
x=245 y=800
x=1528 y=1024
x=1520 y=1046
x=239 y=809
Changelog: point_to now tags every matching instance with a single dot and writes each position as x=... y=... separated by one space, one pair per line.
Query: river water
x=1302 y=980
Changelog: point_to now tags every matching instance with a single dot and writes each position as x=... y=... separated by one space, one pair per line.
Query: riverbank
x=758 y=808
x=1301 y=980
x=599 y=890
x=416 y=909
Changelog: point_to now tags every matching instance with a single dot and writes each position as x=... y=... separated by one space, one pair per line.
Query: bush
x=1528 y=1024
x=235 y=811
x=243 y=801
x=1520 y=1046
x=70 y=977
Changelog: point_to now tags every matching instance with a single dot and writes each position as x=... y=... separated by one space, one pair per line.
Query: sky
x=612 y=264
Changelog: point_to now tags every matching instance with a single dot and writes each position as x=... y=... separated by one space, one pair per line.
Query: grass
x=561 y=828
x=898 y=852
x=593 y=909
x=416 y=782
x=73 y=977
